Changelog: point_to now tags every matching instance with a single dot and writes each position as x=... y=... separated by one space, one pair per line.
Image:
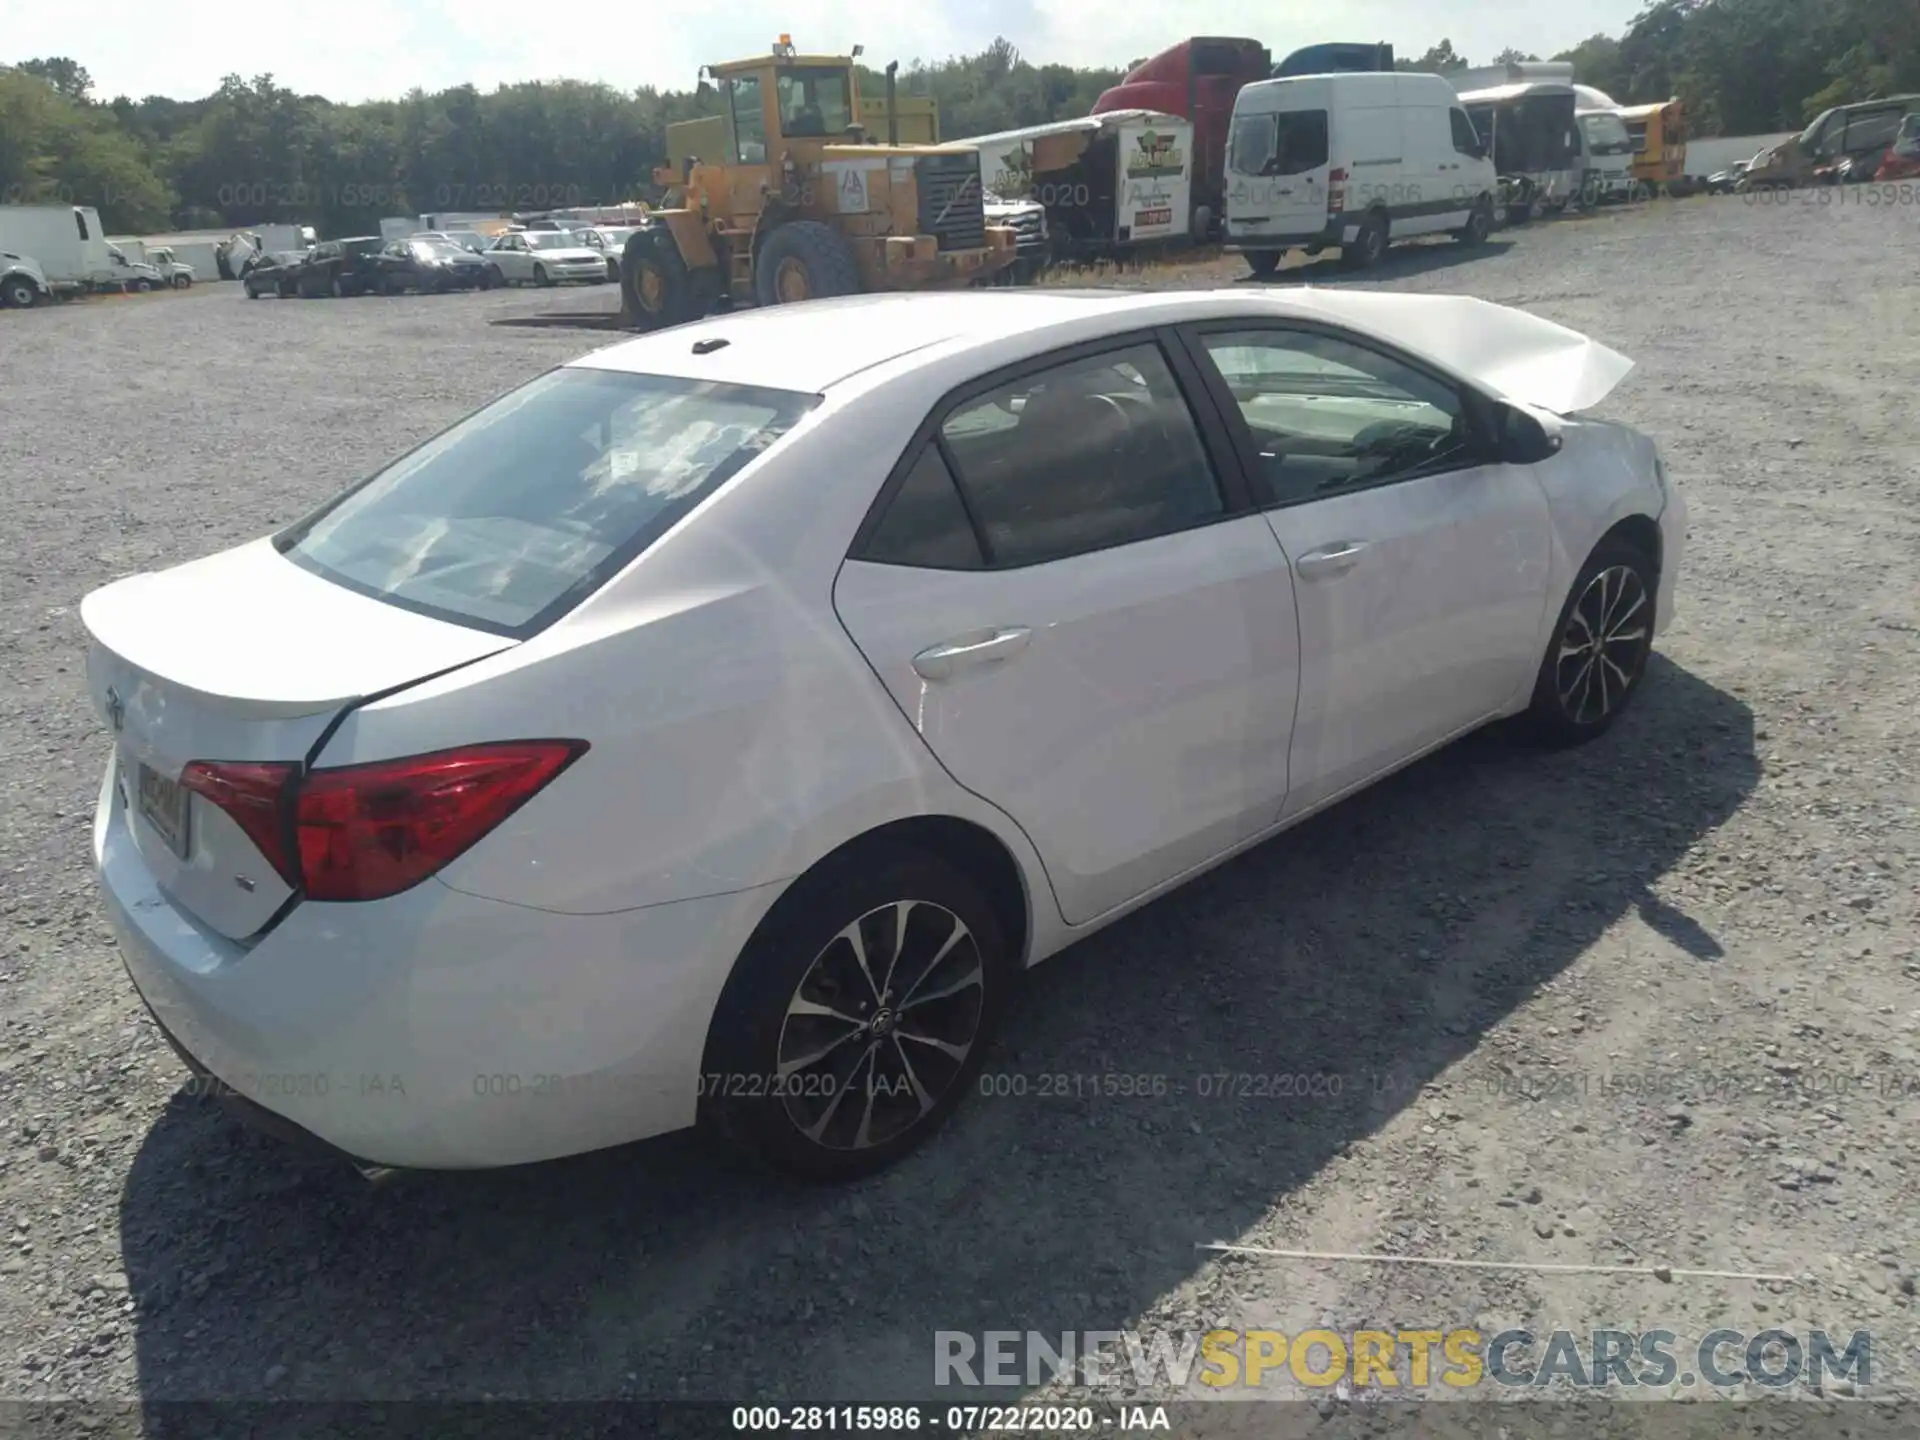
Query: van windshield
x=526 y=507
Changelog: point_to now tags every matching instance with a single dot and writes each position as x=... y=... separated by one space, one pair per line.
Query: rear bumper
x=435 y=1029
x=1339 y=230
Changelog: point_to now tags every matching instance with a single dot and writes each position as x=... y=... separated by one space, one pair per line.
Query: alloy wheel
x=1604 y=646
x=881 y=1025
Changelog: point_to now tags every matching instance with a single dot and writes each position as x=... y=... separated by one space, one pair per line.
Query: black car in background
x=429 y=265
x=342 y=267
x=275 y=274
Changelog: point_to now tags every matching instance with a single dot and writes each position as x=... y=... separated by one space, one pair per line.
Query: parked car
x=610 y=241
x=275 y=274
x=545 y=257
x=342 y=267
x=430 y=265
x=23 y=284
x=466 y=239
x=990 y=617
x=1902 y=160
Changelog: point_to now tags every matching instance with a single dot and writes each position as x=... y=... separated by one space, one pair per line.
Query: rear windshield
x=1290 y=142
x=523 y=509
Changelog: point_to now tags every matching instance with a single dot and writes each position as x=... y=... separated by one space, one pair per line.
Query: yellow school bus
x=1660 y=142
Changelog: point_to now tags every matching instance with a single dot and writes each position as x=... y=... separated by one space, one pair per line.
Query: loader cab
x=783 y=97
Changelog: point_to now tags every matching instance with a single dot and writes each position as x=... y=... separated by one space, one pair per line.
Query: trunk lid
x=242 y=656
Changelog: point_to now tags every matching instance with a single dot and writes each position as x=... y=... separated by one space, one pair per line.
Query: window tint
x=525 y=507
x=925 y=524
x=1465 y=140
x=1094 y=453
x=1327 y=415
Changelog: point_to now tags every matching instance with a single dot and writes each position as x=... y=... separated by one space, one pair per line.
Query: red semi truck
x=1198 y=80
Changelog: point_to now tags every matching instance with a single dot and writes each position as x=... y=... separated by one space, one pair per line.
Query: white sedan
x=544 y=257
x=712 y=728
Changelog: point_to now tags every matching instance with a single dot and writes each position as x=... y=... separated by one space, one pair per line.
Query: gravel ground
x=1649 y=1003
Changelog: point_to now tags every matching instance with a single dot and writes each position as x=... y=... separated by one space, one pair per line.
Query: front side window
x=1466 y=141
x=749 y=120
x=524 y=508
x=1328 y=416
x=814 y=102
x=1087 y=455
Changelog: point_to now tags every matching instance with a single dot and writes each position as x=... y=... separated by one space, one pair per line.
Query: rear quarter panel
x=737 y=734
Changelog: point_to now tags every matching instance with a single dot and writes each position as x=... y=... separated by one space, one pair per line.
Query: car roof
x=813 y=346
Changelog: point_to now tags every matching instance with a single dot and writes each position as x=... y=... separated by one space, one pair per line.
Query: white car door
x=1067 y=594
x=510 y=254
x=1420 y=564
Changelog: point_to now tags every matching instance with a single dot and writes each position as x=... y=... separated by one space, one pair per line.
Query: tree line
x=255 y=151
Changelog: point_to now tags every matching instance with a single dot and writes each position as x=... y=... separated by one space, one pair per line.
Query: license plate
x=163 y=805
x=1152 y=217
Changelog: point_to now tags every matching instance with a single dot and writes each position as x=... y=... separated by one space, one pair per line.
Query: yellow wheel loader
x=802 y=202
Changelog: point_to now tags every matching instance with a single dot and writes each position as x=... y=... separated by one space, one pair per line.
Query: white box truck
x=66 y=241
x=1108 y=182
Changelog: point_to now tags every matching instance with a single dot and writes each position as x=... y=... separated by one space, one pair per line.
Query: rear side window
x=1089 y=454
x=925 y=524
x=520 y=511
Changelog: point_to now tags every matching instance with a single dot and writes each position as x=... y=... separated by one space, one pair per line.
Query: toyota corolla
x=713 y=729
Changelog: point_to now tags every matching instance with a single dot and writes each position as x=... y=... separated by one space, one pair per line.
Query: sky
x=371 y=49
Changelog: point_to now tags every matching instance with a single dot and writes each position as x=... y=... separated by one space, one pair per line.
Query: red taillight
x=363 y=832
x=1336 y=190
x=254 y=795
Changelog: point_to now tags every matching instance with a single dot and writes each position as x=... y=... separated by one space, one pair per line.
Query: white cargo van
x=1353 y=160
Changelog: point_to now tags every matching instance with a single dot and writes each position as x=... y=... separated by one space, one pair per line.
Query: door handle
x=941 y=662
x=1331 y=560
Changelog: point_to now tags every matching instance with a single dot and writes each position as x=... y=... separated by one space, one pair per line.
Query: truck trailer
x=1108 y=182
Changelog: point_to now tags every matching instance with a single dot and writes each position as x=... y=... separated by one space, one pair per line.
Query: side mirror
x=1524 y=438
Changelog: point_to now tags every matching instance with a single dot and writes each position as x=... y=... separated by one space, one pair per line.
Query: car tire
x=1263 y=263
x=804 y=260
x=181 y=282
x=19 y=293
x=137 y=287
x=252 y=294
x=1479 y=223
x=1578 y=695
x=336 y=287
x=1370 y=245
x=814 y=1068
x=540 y=276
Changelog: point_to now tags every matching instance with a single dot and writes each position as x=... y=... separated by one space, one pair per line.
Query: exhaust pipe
x=893 y=111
